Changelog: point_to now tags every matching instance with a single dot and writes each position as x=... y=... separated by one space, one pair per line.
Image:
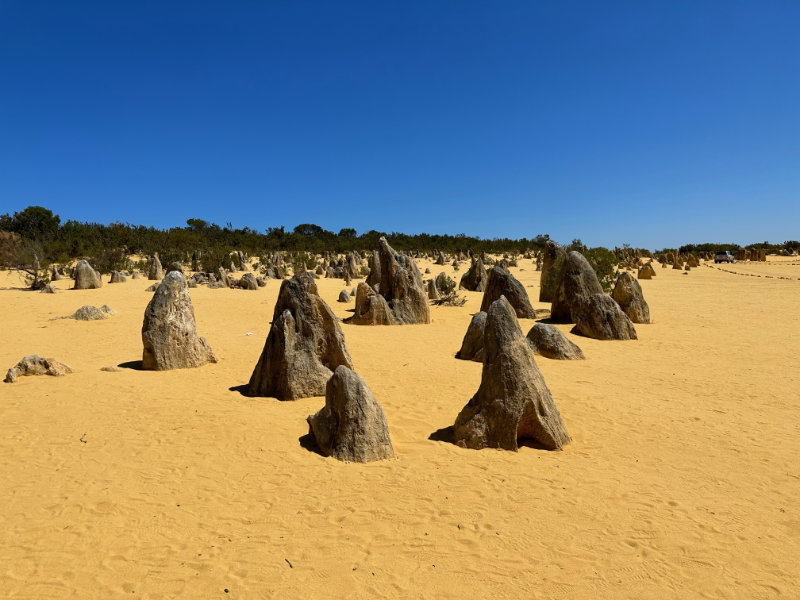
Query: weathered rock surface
x=248 y=282
x=371 y=308
x=552 y=262
x=433 y=291
x=550 y=342
x=351 y=427
x=576 y=283
x=48 y=289
x=93 y=313
x=156 y=271
x=175 y=266
x=476 y=278
x=36 y=365
x=344 y=297
x=646 y=271
x=601 y=318
x=86 y=278
x=628 y=294
x=117 y=277
x=374 y=277
x=472 y=345
x=401 y=285
x=304 y=346
x=169 y=330
x=503 y=283
x=513 y=401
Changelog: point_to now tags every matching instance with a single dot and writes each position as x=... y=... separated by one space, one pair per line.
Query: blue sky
x=649 y=123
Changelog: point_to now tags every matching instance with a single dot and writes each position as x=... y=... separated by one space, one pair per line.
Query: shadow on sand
x=135 y=365
x=309 y=442
x=445 y=434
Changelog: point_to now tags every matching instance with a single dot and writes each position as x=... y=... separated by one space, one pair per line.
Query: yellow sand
x=682 y=480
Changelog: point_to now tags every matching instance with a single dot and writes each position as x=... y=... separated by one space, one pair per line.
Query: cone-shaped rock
x=647 y=272
x=550 y=342
x=513 y=401
x=156 y=271
x=503 y=283
x=374 y=277
x=169 y=331
x=628 y=294
x=552 y=262
x=304 y=346
x=371 y=308
x=601 y=318
x=433 y=291
x=472 y=346
x=351 y=427
x=86 y=278
x=248 y=282
x=117 y=277
x=576 y=283
x=401 y=285
x=476 y=278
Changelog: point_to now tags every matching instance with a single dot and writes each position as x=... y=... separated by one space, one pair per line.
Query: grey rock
x=175 y=266
x=503 y=283
x=351 y=427
x=513 y=402
x=401 y=286
x=550 y=342
x=371 y=308
x=117 y=277
x=48 y=289
x=169 y=330
x=552 y=262
x=576 y=283
x=476 y=278
x=86 y=278
x=92 y=313
x=628 y=294
x=34 y=364
x=248 y=282
x=472 y=345
x=156 y=272
x=433 y=291
x=304 y=346
x=601 y=318
x=344 y=296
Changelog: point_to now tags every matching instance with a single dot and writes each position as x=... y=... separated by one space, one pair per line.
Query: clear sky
x=641 y=122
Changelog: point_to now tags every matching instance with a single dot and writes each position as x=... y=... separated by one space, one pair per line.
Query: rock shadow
x=309 y=442
x=135 y=365
x=445 y=434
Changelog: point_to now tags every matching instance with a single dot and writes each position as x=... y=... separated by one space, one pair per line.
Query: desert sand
x=681 y=481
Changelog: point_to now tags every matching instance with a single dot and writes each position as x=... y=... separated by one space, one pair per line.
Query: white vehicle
x=724 y=256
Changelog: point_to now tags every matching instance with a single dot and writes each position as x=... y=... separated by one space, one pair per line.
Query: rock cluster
x=601 y=318
x=304 y=346
x=576 y=283
x=513 y=402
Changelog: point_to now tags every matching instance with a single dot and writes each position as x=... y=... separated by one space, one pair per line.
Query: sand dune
x=681 y=481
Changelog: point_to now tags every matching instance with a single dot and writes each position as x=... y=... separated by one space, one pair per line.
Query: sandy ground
x=682 y=480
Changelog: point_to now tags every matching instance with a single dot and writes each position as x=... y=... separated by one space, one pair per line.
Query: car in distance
x=724 y=256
